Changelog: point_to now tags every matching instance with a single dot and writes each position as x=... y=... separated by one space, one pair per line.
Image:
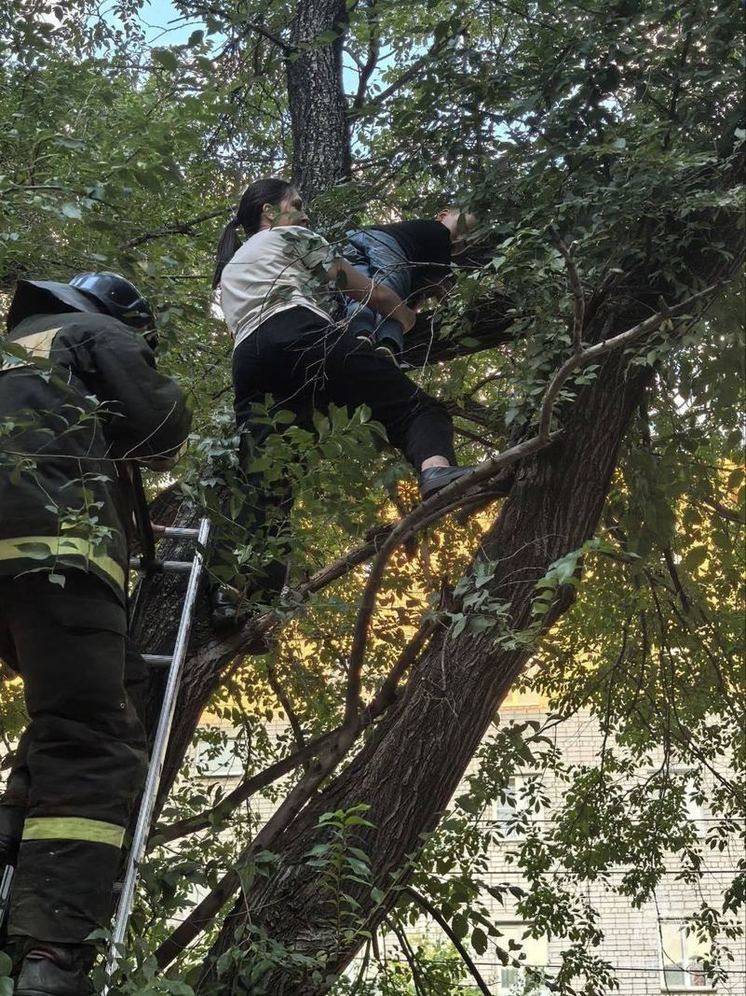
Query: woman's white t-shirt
x=276 y=269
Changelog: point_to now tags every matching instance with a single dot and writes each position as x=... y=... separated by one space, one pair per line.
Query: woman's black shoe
x=435 y=479
x=224 y=609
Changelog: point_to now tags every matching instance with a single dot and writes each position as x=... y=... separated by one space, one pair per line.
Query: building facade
x=649 y=947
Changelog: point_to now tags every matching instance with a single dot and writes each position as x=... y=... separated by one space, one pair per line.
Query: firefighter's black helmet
x=100 y=293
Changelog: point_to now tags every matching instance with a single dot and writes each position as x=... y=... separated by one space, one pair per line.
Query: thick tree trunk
x=318 y=111
x=412 y=764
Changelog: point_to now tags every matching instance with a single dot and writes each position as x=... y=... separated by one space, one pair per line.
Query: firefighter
x=80 y=399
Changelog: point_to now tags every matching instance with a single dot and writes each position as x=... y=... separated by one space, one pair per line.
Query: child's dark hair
x=269 y=190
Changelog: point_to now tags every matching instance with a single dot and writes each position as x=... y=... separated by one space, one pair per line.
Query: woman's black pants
x=305 y=363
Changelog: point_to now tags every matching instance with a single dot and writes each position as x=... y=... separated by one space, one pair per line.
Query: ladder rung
x=175 y=531
x=157 y=660
x=183 y=566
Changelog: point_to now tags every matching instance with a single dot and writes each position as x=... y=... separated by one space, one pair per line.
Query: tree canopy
x=601 y=145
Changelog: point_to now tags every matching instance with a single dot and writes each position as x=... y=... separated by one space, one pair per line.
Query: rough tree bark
x=318 y=109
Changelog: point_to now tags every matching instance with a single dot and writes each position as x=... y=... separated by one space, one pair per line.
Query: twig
x=727 y=513
x=601 y=349
x=473 y=436
x=276 y=686
x=435 y=913
x=374 y=51
x=575 y=285
x=173 y=228
x=405 y=77
x=409 y=956
x=204 y=913
x=284 y=46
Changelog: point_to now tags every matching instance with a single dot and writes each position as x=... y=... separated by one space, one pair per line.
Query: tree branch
x=575 y=285
x=601 y=349
x=374 y=51
x=287 y=705
x=359 y=110
x=435 y=913
x=174 y=228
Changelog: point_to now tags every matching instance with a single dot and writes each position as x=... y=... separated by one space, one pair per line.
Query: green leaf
x=695 y=557
x=36 y=551
x=166 y=57
x=71 y=210
x=479 y=940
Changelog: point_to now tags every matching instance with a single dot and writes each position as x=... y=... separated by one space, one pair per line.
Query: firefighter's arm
x=147 y=416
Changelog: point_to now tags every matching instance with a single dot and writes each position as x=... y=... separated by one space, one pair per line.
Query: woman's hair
x=269 y=190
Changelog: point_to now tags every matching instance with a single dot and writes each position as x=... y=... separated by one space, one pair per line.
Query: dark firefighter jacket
x=79 y=397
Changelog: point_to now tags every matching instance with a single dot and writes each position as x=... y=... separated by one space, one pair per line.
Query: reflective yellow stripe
x=73 y=828
x=60 y=546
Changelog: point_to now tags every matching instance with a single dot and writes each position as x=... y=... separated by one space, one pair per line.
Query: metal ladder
x=6 y=887
x=175 y=663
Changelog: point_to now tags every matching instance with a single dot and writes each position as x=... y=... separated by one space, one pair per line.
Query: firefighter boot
x=56 y=970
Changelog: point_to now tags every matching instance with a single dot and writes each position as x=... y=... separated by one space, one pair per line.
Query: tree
x=590 y=136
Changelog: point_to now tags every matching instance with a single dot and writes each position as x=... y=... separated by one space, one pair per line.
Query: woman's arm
x=379 y=297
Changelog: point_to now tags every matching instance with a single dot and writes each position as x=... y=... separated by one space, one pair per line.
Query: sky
x=157 y=17
x=163 y=25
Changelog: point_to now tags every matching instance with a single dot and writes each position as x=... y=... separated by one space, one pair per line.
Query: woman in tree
x=277 y=295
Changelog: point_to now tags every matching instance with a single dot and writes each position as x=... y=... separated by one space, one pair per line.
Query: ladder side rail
x=6 y=887
x=158 y=755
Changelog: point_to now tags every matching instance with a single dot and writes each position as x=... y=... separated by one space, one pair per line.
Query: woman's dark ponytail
x=269 y=190
x=228 y=246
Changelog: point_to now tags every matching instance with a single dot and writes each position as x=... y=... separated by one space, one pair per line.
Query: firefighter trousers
x=82 y=759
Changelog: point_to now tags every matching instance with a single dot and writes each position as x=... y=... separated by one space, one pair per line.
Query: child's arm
x=380 y=298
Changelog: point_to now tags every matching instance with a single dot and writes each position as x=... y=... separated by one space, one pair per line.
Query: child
x=412 y=258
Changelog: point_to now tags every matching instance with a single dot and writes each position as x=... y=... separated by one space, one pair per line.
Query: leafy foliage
x=124 y=151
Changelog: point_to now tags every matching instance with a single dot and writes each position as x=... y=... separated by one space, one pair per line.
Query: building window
x=534 y=954
x=682 y=958
x=217 y=758
x=694 y=809
x=513 y=806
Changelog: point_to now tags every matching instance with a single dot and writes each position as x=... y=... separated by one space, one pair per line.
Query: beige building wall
x=633 y=938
